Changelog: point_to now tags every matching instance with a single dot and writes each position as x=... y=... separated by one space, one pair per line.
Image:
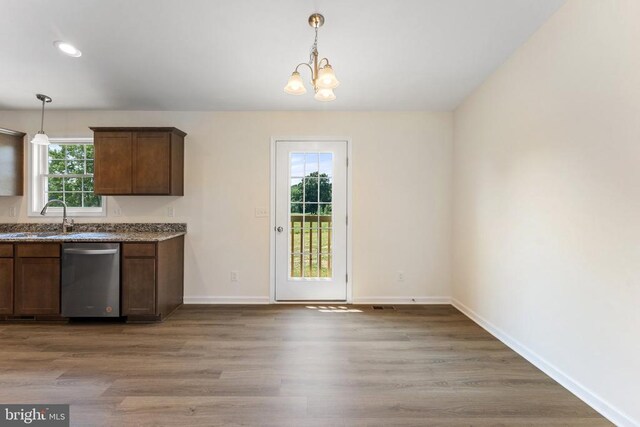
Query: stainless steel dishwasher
x=91 y=279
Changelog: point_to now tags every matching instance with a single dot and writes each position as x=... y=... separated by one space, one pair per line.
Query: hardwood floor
x=283 y=366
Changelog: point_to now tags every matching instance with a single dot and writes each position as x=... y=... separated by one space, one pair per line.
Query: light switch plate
x=171 y=212
x=261 y=213
x=13 y=212
x=117 y=212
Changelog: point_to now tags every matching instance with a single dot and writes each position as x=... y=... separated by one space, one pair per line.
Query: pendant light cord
x=42 y=117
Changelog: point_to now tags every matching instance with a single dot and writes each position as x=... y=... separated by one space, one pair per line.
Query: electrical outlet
x=13 y=212
x=171 y=212
x=117 y=212
x=234 y=276
x=400 y=276
x=261 y=212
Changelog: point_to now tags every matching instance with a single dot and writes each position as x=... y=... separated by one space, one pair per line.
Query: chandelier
x=323 y=79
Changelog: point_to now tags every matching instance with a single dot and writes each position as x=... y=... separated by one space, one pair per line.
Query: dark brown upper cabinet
x=11 y=162
x=139 y=161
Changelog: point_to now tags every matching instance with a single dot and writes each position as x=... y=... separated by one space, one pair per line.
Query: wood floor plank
x=284 y=365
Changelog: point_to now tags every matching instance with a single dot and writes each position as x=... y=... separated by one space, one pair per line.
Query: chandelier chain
x=314 y=47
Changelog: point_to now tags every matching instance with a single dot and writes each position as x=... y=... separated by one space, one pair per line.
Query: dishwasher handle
x=73 y=251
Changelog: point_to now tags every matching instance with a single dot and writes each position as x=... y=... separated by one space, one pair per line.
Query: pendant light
x=323 y=78
x=41 y=138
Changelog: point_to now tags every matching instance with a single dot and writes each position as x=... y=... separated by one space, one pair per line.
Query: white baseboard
x=586 y=395
x=363 y=300
x=402 y=300
x=226 y=300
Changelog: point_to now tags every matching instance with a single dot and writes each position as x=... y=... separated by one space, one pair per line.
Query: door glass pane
x=310 y=189
x=324 y=209
x=324 y=240
x=311 y=164
x=296 y=265
x=325 y=265
x=310 y=226
x=310 y=264
x=297 y=190
x=310 y=238
x=311 y=211
x=324 y=191
x=296 y=241
x=326 y=164
x=297 y=165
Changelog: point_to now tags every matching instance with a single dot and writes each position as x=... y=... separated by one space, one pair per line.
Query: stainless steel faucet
x=67 y=225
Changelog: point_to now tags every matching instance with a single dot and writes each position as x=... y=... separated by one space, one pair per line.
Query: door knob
x=279 y=229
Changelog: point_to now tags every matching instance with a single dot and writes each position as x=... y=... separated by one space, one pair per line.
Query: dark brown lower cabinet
x=139 y=286
x=37 y=279
x=6 y=285
x=152 y=279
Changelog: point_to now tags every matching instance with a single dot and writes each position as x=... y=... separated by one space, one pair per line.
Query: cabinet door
x=138 y=286
x=11 y=163
x=6 y=285
x=37 y=286
x=113 y=162
x=152 y=163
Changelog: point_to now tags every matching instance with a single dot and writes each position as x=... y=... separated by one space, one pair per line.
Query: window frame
x=38 y=164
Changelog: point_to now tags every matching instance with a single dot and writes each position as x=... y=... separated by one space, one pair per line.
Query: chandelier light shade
x=327 y=78
x=323 y=78
x=325 y=95
x=295 y=86
x=41 y=138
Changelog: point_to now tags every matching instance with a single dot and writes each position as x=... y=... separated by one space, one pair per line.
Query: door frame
x=272 y=214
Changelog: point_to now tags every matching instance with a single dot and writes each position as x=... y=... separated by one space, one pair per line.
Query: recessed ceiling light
x=67 y=48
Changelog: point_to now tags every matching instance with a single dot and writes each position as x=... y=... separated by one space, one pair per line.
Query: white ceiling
x=238 y=54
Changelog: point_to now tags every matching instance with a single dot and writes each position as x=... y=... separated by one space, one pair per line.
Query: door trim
x=272 y=216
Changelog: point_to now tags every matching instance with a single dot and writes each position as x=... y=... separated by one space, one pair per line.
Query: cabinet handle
x=91 y=251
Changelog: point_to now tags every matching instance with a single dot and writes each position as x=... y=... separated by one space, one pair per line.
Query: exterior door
x=311 y=221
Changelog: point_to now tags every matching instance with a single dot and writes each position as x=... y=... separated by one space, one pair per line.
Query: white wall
x=401 y=196
x=547 y=202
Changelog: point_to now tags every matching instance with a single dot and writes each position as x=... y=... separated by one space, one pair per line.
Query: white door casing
x=310 y=255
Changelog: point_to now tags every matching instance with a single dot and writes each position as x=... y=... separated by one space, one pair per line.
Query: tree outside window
x=69 y=175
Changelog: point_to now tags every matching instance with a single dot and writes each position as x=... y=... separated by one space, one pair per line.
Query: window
x=64 y=171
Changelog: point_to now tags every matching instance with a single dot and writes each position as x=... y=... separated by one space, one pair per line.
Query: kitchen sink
x=27 y=235
x=87 y=235
x=55 y=235
x=12 y=235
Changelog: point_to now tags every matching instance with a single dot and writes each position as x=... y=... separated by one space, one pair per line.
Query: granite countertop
x=125 y=232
